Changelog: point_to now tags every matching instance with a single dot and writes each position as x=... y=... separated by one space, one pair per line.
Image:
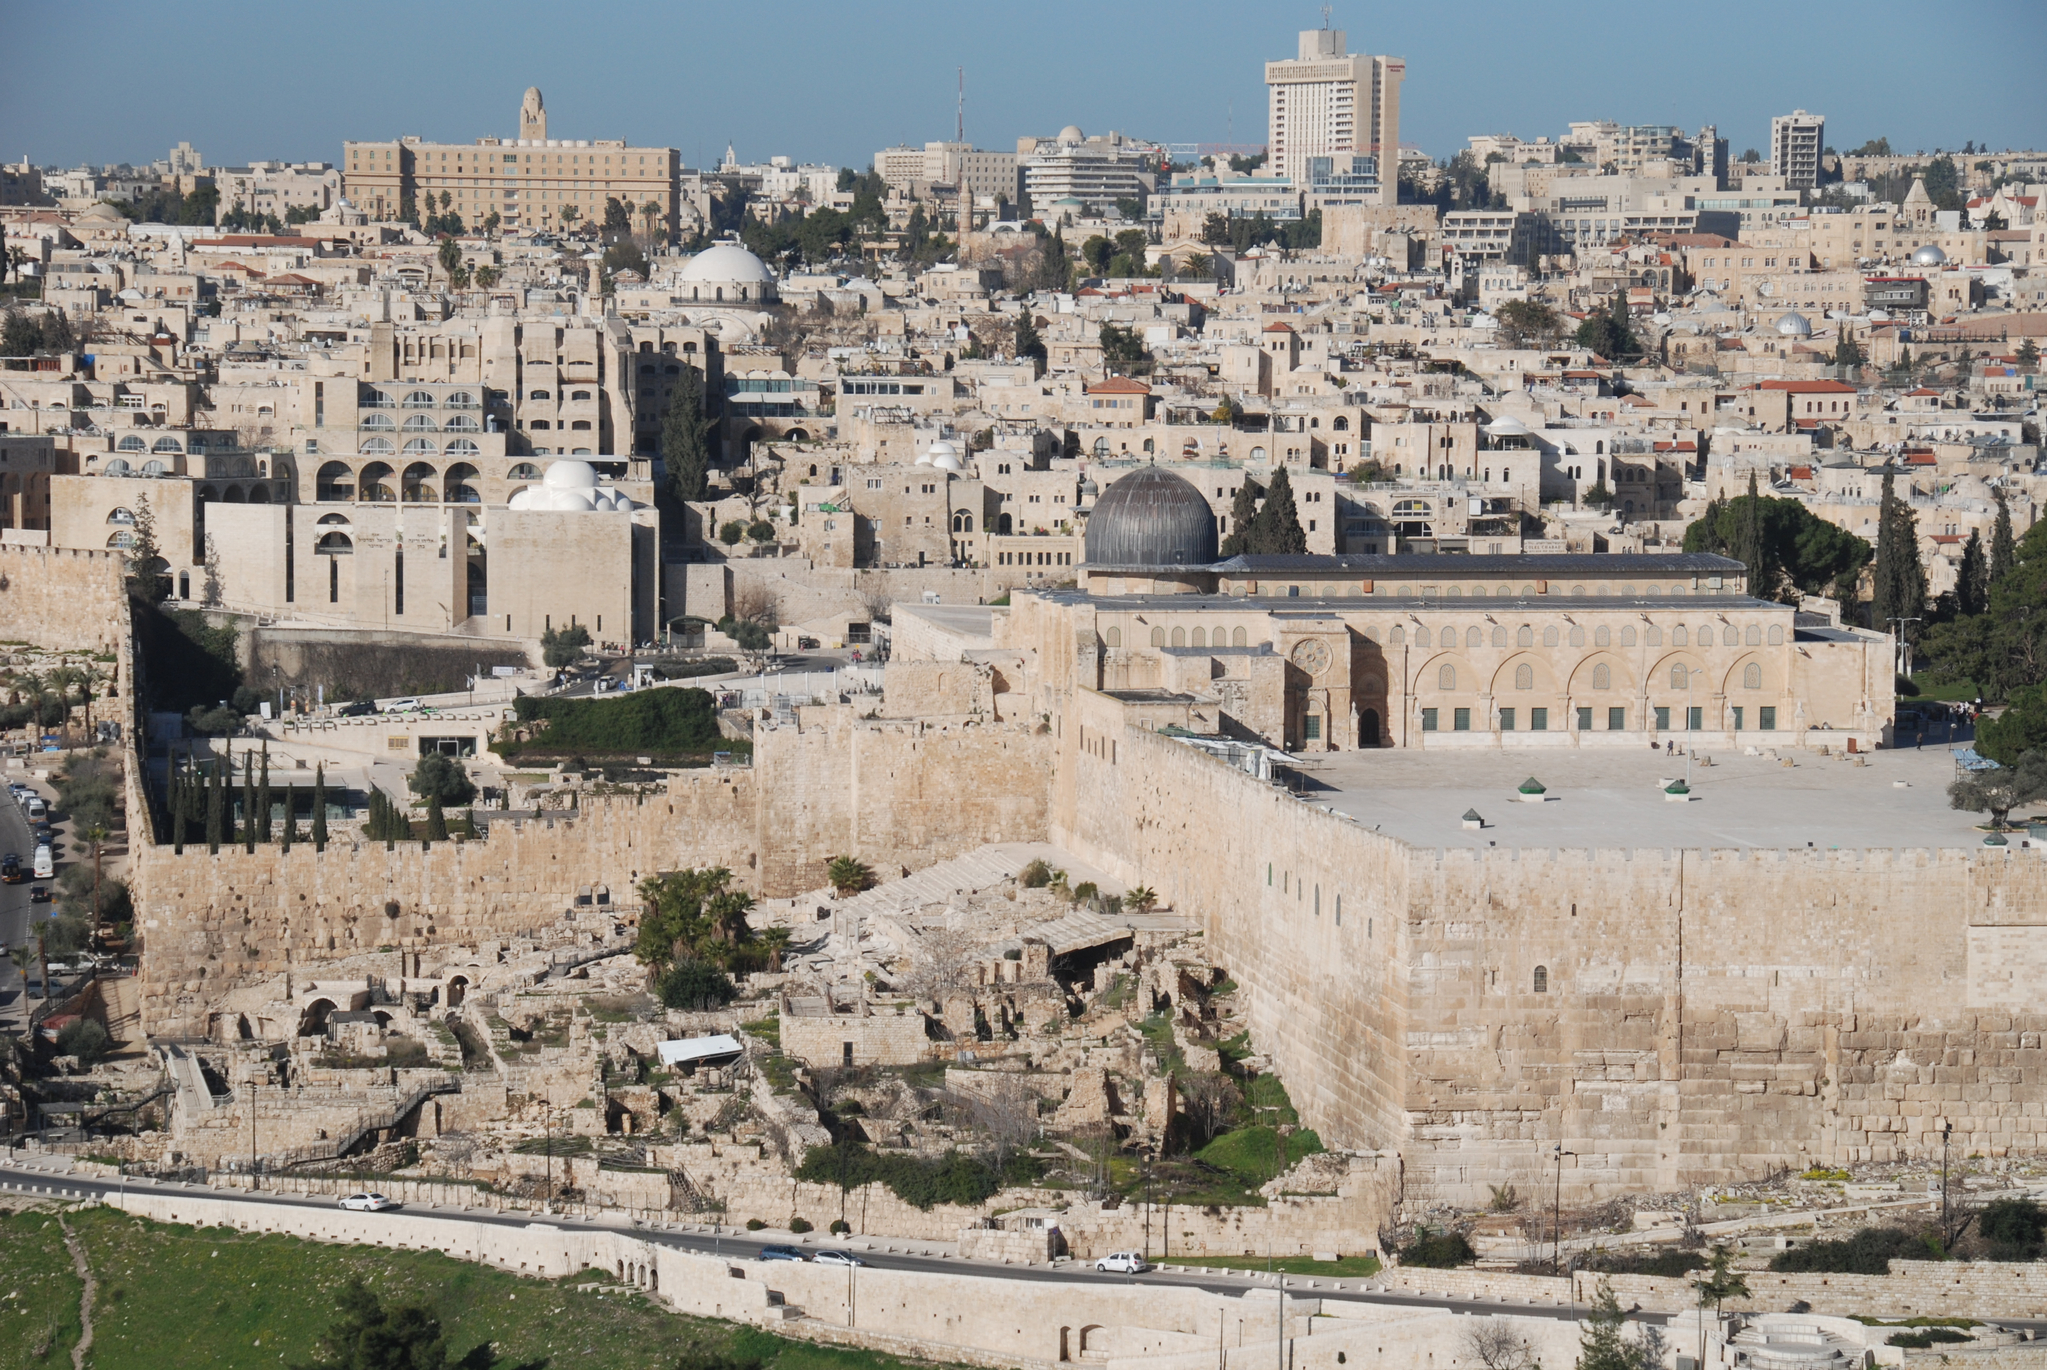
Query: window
x=1602 y=677
x=1603 y=636
x=1542 y=979
x=1766 y=718
x=1678 y=637
x=1524 y=677
x=1473 y=638
x=1549 y=636
x=1776 y=635
x=1679 y=678
x=1499 y=637
x=1311 y=728
x=1460 y=720
x=1617 y=719
x=1525 y=637
x=1114 y=637
x=1752 y=676
x=1237 y=638
x=1446 y=677
x=1584 y=720
x=1428 y=720
x=1694 y=718
x=1754 y=636
x=1506 y=720
x=1662 y=719
x=1158 y=637
x=1737 y=717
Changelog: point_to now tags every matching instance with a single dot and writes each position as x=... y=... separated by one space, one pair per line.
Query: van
x=38 y=808
x=46 y=865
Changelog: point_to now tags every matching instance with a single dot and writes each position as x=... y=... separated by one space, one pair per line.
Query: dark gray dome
x=1151 y=518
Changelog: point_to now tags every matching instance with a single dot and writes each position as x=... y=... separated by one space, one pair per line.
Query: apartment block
x=1327 y=102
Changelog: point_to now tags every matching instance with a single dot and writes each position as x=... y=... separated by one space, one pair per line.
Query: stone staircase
x=1785 y=1341
x=977 y=870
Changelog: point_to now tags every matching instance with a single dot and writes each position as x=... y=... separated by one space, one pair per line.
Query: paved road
x=15 y=909
x=48 y=1177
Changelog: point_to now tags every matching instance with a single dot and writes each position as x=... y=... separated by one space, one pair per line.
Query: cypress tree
x=2004 y=553
x=1243 y=516
x=436 y=820
x=1277 y=530
x=685 y=436
x=290 y=831
x=1745 y=542
x=320 y=807
x=1899 y=591
x=263 y=799
x=248 y=803
x=1972 y=582
x=216 y=807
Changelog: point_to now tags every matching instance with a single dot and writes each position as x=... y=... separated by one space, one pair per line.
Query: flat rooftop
x=1612 y=798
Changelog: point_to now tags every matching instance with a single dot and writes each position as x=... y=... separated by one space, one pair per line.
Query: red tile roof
x=1119 y=385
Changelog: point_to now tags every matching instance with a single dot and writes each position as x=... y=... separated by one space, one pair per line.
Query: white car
x=836 y=1258
x=1123 y=1263
x=368 y=1203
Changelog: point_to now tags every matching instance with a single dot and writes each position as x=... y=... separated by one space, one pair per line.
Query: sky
x=829 y=81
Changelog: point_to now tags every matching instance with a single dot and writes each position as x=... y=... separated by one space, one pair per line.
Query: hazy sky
x=832 y=81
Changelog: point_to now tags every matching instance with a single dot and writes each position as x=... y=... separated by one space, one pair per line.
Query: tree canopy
x=686 y=436
x=1789 y=550
x=368 y=1336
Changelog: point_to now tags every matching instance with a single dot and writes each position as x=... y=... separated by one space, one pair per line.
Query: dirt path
x=84 y=1270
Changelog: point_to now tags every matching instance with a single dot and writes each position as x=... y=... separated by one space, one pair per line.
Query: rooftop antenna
x=1325 y=17
x=959 y=119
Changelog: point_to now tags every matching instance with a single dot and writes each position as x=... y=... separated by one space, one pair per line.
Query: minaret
x=532 y=117
x=966 y=191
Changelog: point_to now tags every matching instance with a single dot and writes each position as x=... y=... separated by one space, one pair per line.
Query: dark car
x=39 y=895
x=780 y=1253
x=356 y=708
x=10 y=869
x=45 y=834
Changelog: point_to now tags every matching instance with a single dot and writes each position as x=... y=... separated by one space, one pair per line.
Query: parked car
x=45 y=834
x=11 y=872
x=38 y=809
x=1123 y=1263
x=368 y=1203
x=401 y=706
x=781 y=1253
x=39 y=894
x=355 y=708
x=836 y=1258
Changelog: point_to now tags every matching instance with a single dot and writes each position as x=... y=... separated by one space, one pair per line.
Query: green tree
x=1746 y=544
x=686 y=437
x=441 y=777
x=624 y=255
x=2028 y=356
x=450 y=257
x=1277 y=530
x=733 y=533
x=2020 y=779
x=2003 y=551
x=695 y=986
x=1900 y=579
x=760 y=531
x=1944 y=183
x=1028 y=343
x=695 y=915
x=320 y=807
x=561 y=647
x=618 y=220
x=848 y=875
x=1608 y=331
x=436 y=820
x=1096 y=252
x=1719 y=1282
x=146 y=566
x=1972 y=579
x=1123 y=350
x=1847 y=352
x=486 y=276
x=368 y=1336
x=1601 y=1344
x=1055 y=265
x=1243 y=517
x=1527 y=321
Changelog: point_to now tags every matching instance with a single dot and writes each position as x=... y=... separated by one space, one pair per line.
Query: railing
x=335 y=1147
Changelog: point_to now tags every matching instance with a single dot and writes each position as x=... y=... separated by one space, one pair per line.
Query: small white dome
x=1879 y=316
x=1929 y=255
x=570 y=475
x=1072 y=134
x=939 y=453
x=947 y=460
x=1507 y=426
x=1794 y=325
x=726 y=262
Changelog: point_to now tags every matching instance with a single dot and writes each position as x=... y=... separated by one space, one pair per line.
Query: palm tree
x=96 y=835
x=848 y=874
x=569 y=216
x=650 y=214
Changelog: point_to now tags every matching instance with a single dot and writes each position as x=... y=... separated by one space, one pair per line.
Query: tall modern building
x=1796 y=140
x=527 y=182
x=1329 y=103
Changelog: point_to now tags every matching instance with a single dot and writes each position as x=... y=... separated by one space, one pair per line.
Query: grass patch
x=1344 y=1268
x=38 y=1292
x=1251 y=1152
x=1951 y=691
x=172 y=1295
x=768 y=1029
x=666 y=723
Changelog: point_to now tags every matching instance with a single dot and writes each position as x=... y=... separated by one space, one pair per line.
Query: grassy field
x=38 y=1292
x=173 y=1296
x=1347 y=1268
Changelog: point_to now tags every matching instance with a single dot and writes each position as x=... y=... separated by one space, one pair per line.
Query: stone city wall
x=1705 y=1016
x=64 y=599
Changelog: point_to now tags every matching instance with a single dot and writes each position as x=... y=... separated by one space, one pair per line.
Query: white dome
x=940 y=453
x=1072 y=134
x=1507 y=426
x=1879 y=316
x=947 y=460
x=726 y=262
x=1794 y=325
x=1929 y=256
x=570 y=475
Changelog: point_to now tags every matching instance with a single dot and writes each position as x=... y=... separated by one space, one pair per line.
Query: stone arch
x=1541 y=981
x=1448 y=675
x=458 y=989
x=1589 y=673
x=1662 y=675
x=1747 y=668
x=313 y=1022
x=1093 y=1340
x=1507 y=680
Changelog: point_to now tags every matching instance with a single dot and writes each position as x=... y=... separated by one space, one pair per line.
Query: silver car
x=368 y=1203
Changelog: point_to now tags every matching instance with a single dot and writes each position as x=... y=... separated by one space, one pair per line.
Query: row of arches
x=420 y=447
x=1682 y=675
x=423 y=423
x=421 y=483
x=134 y=442
x=422 y=399
x=1604 y=635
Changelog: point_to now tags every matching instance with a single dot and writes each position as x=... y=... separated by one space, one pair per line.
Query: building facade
x=1327 y=102
x=1796 y=141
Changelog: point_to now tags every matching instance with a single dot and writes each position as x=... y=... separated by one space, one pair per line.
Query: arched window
x=1421 y=638
x=421 y=447
x=379 y=421
x=1396 y=635
x=461 y=399
x=525 y=470
x=166 y=445
x=419 y=423
x=1114 y=637
x=538 y=395
x=1473 y=638
x=1752 y=677
x=1499 y=636
x=1754 y=635
x=153 y=467
x=377 y=447
x=1524 y=677
x=1602 y=677
x=1679 y=677
x=420 y=399
x=1525 y=637
x=131 y=443
x=1340 y=423
x=1730 y=636
x=334 y=544
x=1158 y=637
x=463 y=447
x=1446 y=677
x=462 y=423
x=1237 y=638
x=1776 y=635
x=1258 y=454
x=1577 y=635
x=122 y=539
x=1602 y=635
x=1542 y=979
x=580 y=395
x=1200 y=638
x=1549 y=636
x=1179 y=637
x=120 y=516
x=1678 y=637
x=1628 y=636
x=335 y=481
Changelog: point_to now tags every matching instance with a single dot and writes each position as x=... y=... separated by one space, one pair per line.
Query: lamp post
x=1557 y=1209
x=1947 y=1132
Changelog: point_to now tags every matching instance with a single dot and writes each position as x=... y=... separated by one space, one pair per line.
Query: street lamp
x=1557 y=1209
x=1947 y=1132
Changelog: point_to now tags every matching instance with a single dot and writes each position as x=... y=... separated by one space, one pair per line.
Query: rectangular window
x=1460 y=720
x=1311 y=728
x=1695 y=718
x=1428 y=720
x=1584 y=720
x=1538 y=720
x=1617 y=719
x=1737 y=718
x=1662 y=718
x=1506 y=720
x=1766 y=718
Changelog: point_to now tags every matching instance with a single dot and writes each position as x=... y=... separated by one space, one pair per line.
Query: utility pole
x=252 y=1132
x=1947 y=1132
x=1904 y=652
x=1557 y=1208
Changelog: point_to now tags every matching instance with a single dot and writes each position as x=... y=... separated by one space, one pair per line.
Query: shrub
x=1868 y=1252
x=750 y=636
x=561 y=647
x=86 y=1039
x=848 y=875
x=952 y=1179
x=840 y=1227
x=1927 y=1337
x=662 y=721
x=1438 y=1251
x=2013 y=1229
x=1669 y=1265
x=695 y=985
x=799 y=1225
x=1035 y=876
x=441 y=777
x=754 y=1224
